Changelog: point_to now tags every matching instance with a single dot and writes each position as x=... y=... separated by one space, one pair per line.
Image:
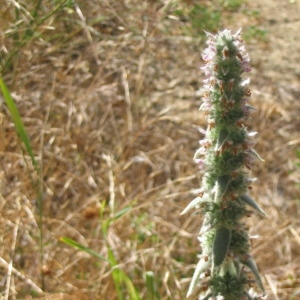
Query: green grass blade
x=116 y=275
x=152 y=293
x=16 y=118
x=120 y=279
x=133 y=294
x=15 y=115
x=122 y=212
x=119 y=214
x=80 y=247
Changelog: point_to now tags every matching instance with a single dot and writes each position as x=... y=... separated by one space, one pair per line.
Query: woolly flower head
x=220 y=42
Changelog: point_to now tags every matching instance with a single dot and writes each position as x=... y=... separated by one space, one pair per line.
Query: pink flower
x=209 y=53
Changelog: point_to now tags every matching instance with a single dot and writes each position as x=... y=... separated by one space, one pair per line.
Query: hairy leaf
x=248 y=200
x=250 y=263
x=221 y=245
x=194 y=203
x=200 y=268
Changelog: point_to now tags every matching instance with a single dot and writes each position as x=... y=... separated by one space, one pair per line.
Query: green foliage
x=65 y=3
x=201 y=267
x=232 y=4
x=228 y=285
x=239 y=242
x=204 y=18
x=152 y=292
x=250 y=263
x=80 y=247
x=208 y=16
x=248 y=200
x=255 y=33
x=199 y=17
x=221 y=245
x=16 y=118
x=123 y=284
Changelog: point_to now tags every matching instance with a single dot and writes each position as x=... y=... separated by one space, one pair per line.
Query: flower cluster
x=224 y=155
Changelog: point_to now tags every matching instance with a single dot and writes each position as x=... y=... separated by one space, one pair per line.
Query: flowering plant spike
x=225 y=265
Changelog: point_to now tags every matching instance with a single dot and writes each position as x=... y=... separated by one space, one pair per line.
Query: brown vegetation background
x=108 y=96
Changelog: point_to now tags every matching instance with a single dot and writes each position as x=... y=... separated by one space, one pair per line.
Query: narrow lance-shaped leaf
x=82 y=248
x=221 y=245
x=248 y=200
x=15 y=115
x=230 y=267
x=222 y=186
x=250 y=263
x=195 y=202
x=222 y=138
x=152 y=292
x=120 y=278
x=201 y=267
x=254 y=153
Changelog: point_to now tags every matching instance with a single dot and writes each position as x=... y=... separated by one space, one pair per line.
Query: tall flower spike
x=225 y=153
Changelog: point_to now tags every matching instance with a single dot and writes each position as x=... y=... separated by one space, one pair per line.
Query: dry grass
x=107 y=95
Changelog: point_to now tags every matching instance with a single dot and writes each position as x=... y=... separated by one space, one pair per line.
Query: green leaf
x=133 y=294
x=221 y=245
x=200 y=268
x=119 y=214
x=80 y=247
x=222 y=187
x=222 y=138
x=250 y=263
x=254 y=153
x=248 y=200
x=15 y=115
x=152 y=292
x=118 y=275
x=120 y=278
x=195 y=202
x=230 y=267
x=122 y=212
